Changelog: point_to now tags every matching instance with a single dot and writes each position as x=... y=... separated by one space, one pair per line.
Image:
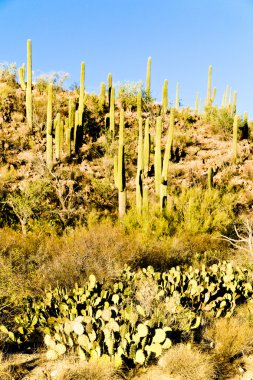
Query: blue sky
x=183 y=37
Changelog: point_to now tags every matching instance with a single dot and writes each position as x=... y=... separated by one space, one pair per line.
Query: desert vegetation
x=126 y=231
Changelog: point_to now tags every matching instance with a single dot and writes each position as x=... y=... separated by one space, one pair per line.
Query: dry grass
x=187 y=363
x=230 y=340
x=98 y=370
x=5 y=371
x=181 y=363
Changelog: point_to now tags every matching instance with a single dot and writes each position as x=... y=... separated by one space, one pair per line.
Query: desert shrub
x=96 y=370
x=193 y=211
x=197 y=210
x=152 y=223
x=221 y=121
x=186 y=363
x=230 y=339
x=8 y=72
x=127 y=94
x=186 y=117
x=103 y=250
x=57 y=78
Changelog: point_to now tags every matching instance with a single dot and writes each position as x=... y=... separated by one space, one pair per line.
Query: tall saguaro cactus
x=148 y=78
x=21 y=74
x=49 y=152
x=139 y=175
x=112 y=114
x=121 y=180
x=109 y=85
x=102 y=94
x=139 y=101
x=29 y=113
x=166 y=158
x=235 y=137
x=146 y=148
x=165 y=97
x=158 y=156
x=58 y=141
x=81 y=94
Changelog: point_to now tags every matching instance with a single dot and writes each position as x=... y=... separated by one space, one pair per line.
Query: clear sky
x=183 y=37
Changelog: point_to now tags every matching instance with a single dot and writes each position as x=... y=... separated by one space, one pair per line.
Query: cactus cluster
x=108 y=320
x=63 y=133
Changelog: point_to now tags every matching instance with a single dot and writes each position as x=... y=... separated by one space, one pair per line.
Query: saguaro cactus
x=158 y=156
x=58 y=141
x=109 y=85
x=146 y=148
x=235 y=137
x=21 y=74
x=102 y=94
x=234 y=103
x=29 y=113
x=112 y=115
x=49 y=151
x=165 y=97
x=166 y=158
x=210 y=178
x=139 y=175
x=148 y=78
x=121 y=180
x=81 y=94
x=209 y=87
x=139 y=100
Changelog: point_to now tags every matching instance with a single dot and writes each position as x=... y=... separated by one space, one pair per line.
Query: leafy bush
x=221 y=121
x=204 y=211
x=194 y=211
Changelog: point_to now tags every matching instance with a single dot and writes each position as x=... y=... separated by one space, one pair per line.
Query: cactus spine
x=81 y=94
x=49 y=152
x=167 y=157
x=158 y=156
x=209 y=87
x=165 y=97
x=112 y=116
x=139 y=178
x=121 y=168
x=29 y=115
x=148 y=78
x=177 y=97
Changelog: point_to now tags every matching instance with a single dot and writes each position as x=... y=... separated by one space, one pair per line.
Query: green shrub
x=197 y=210
x=221 y=121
